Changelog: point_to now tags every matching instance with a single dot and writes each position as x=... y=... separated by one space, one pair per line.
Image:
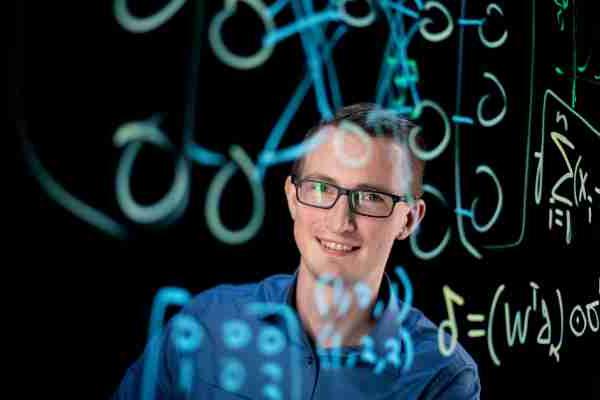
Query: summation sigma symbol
x=556 y=321
x=396 y=90
x=575 y=191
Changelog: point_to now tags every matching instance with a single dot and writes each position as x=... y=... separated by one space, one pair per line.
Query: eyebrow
x=364 y=186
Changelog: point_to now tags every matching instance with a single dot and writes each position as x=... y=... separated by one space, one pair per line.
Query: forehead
x=352 y=159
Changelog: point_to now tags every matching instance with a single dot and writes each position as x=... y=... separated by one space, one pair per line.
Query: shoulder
x=227 y=298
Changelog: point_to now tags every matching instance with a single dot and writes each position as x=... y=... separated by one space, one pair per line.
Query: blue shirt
x=246 y=342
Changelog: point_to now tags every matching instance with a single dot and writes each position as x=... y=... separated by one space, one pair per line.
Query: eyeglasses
x=370 y=203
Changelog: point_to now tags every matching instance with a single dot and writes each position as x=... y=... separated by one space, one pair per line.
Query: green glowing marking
x=584 y=66
x=574 y=78
x=559 y=71
x=411 y=76
x=562 y=7
x=215 y=190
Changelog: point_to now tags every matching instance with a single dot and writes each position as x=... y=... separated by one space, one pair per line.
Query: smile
x=335 y=247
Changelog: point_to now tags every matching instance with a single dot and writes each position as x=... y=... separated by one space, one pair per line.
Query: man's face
x=370 y=239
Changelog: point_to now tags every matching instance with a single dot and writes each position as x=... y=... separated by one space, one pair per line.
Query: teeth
x=335 y=246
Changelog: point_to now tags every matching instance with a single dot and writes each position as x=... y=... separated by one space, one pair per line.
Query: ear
x=290 y=194
x=413 y=219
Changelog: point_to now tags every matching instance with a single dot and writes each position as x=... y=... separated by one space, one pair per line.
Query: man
x=313 y=335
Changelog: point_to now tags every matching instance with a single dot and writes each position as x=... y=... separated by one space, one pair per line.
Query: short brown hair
x=376 y=122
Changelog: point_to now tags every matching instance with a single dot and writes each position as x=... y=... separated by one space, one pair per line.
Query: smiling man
x=351 y=198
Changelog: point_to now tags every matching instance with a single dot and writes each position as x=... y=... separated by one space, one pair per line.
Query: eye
x=370 y=196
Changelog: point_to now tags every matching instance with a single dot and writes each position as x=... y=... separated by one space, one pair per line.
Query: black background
x=76 y=76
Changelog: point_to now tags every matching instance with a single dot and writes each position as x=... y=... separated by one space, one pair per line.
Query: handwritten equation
x=518 y=321
x=573 y=192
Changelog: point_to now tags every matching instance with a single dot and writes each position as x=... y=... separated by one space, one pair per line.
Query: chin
x=323 y=268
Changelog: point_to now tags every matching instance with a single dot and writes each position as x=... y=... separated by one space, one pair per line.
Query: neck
x=351 y=326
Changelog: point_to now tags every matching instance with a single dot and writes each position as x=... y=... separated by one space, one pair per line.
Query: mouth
x=337 y=248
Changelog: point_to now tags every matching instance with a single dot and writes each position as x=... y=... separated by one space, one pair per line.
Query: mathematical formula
x=547 y=307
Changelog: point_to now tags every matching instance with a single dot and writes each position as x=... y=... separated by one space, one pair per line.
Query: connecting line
x=463 y=212
x=405 y=69
x=192 y=150
x=400 y=8
x=314 y=60
x=203 y=156
x=413 y=85
x=404 y=110
x=471 y=22
x=277 y=36
x=457 y=173
x=402 y=41
x=387 y=63
x=267 y=156
x=192 y=87
x=65 y=199
x=275 y=8
x=460 y=119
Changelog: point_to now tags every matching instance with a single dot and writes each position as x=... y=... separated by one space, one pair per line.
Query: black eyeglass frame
x=349 y=192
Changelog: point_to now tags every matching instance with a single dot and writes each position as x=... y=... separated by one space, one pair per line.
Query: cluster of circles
x=188 y=336
x=310 y=26
x=399 y=76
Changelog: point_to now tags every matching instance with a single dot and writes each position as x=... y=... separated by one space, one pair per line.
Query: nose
x=340 y=218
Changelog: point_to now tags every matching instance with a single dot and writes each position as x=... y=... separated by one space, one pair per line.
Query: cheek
x=305 y=224
x=382 y=236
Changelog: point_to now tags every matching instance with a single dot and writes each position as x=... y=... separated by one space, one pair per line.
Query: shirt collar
x=387 y=322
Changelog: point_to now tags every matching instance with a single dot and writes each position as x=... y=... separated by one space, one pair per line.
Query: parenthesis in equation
x=554 y=349
x=490 y=327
